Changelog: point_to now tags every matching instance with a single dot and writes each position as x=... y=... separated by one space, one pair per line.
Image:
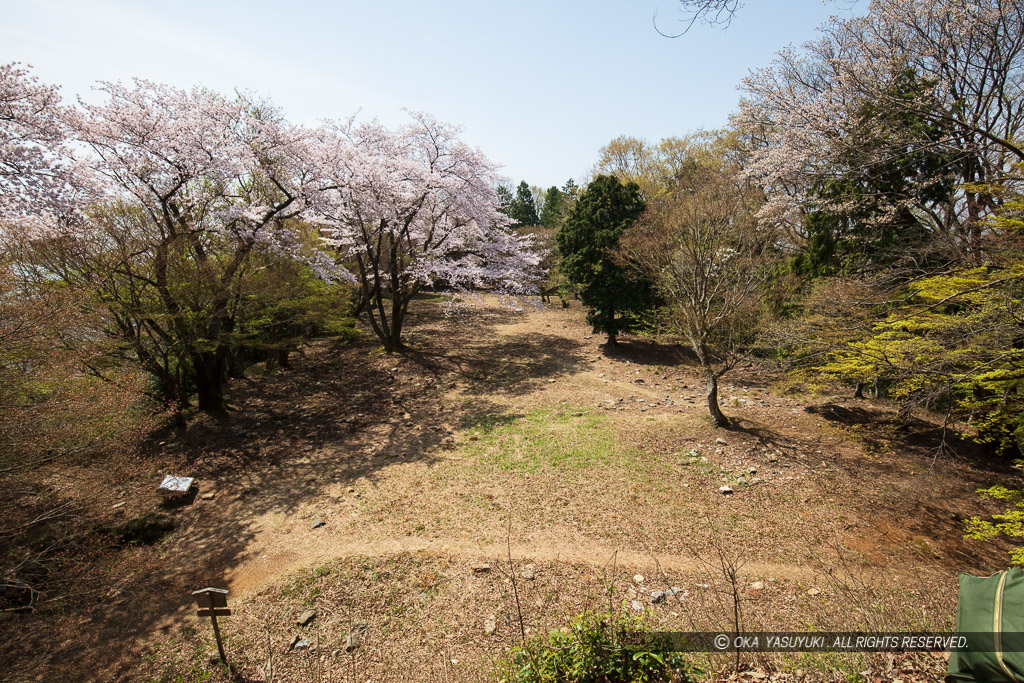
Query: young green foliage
x=615 y=294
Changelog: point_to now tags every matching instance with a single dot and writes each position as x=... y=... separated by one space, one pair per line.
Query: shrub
x=596 y=648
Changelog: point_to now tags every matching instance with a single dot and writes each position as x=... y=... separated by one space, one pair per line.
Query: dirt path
x=508 y=370
x=505 y=431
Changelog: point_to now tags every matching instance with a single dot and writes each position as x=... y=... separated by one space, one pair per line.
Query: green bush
x=596 y=648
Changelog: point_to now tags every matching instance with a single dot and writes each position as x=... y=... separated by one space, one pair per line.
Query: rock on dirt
x=306 y=617
x=725 y=490
x=317 y=523
x=657 y=597
x=482 y=568
x=490 y=625
x=528 y=572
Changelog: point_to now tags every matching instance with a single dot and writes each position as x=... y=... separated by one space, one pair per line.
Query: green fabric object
x=989 y=610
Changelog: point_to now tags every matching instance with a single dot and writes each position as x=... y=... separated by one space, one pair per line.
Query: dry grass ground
x=512 y=439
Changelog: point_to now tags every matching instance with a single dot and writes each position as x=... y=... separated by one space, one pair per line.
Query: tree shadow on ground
x=645 y=352
x=485 y=361
x=893 y=462
x=336 y=417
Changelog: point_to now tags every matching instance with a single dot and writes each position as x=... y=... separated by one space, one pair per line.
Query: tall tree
x=193 y=184
x=505 y=198
x=35 y=164
x=615 y=294
x=711 y=265
x=414 y=208
x=523 y=207
x=553 y=212
x=962 y=60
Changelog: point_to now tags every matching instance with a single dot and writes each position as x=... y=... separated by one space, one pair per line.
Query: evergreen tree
x=505 y=198
x=614 y=293
x=554 y=208
x=523 y=208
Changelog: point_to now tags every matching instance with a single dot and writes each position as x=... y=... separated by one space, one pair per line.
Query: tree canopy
x=616 y=295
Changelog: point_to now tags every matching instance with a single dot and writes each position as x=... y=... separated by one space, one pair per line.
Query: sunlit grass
x=567 y=439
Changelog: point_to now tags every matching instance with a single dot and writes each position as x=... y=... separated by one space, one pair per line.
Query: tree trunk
x=210 y=369
x=358 y=305
x=393 y=339
x=717 y=415
x=860 y=390
x=238 y=362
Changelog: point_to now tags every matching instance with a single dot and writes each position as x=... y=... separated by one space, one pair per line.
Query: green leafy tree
x=1009 y=523
x=523 y=207
x=616 y=294
x=869 y=211
x=505 y=198
x=713 y=267
x=553 y=212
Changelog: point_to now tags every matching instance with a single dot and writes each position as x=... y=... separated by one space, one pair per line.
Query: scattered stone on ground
x=317 y=523
x=481 y=568
x=725 y=490
x=657 y=597
x=306 y=617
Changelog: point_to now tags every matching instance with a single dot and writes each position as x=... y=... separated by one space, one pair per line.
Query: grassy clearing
x=563 y=440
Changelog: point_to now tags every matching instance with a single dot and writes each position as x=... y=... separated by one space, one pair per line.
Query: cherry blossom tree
x=415 y=208
x=35 y=165
x=191 y=184
x=938 y=76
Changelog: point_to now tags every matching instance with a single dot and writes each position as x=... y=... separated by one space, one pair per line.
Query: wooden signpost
x=213 y=603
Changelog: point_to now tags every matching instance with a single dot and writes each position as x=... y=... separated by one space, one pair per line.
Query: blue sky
x=539 y=86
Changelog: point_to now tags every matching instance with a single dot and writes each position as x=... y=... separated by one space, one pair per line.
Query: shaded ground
x=503 y=434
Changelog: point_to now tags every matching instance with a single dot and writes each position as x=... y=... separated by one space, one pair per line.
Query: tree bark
x=209 y=367
x=717 y=415
x=860 y=390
